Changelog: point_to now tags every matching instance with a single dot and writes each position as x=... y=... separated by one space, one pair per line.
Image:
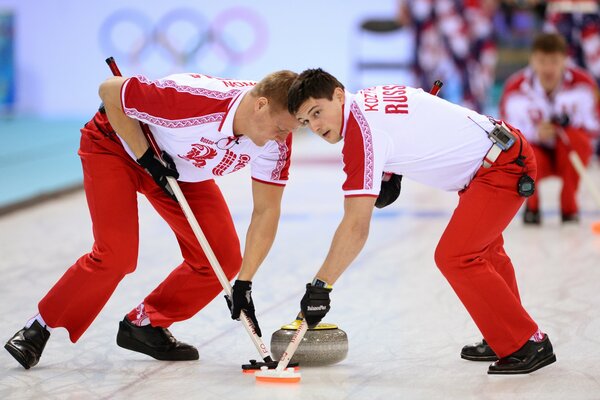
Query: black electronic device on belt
x=502 y=137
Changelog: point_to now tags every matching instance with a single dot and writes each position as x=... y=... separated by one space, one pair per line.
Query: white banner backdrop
x=61 y=44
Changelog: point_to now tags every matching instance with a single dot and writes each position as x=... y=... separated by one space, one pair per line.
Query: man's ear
x=260 y=103
x=339 y=95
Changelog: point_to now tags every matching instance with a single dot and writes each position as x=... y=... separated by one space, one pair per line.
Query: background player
x=555 y=104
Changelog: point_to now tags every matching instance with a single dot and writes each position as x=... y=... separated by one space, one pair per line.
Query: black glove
x=562 y=120
x=315 y=304
x=242 y=300
x=158 y=171
x=389 y=192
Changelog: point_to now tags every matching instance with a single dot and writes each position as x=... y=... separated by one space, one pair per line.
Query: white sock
x=138 y=316
x=41 y=321
x=538 y=336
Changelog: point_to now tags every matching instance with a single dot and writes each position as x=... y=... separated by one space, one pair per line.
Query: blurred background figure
x=579 y=22
x=454 y=42
x=555 y=105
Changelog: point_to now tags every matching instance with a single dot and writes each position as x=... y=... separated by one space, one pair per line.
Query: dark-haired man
x=412 y=133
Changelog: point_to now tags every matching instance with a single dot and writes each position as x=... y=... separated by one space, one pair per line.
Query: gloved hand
x=242 y=300
x=389 y=192
x=561 y=120
x=315 y=304
x=159 y=172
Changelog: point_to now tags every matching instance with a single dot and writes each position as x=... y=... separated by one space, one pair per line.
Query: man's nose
x=315 y=127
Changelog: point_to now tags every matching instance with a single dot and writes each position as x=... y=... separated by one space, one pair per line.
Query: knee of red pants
x=451 y=261
x=544 y=160
x=226 y=249
x=568 y=196
x=446 y=258
x=121 y=257
x=230 y=262
x=581 y=142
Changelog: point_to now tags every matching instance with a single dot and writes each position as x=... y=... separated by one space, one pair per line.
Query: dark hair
x=549 y=43
x=275 y=88
x=314 y=83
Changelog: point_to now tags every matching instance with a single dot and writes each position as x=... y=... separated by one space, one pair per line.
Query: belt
x=491 y=156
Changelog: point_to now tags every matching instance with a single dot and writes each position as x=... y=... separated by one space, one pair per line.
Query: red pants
x=555 y=161
x=111 y=181
x=471 y=255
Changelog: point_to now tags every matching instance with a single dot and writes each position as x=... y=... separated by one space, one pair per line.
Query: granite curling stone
x=325 y=344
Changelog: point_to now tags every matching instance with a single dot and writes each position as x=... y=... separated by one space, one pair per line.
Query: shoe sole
x=137 y=346
x=17 y=355
x=542 y=363
x=478 y=358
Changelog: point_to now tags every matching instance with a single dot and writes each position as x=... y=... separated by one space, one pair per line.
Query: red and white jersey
x=410 y=132
x=525 y=104
x=191 y=118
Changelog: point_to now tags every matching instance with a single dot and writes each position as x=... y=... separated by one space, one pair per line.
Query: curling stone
x=324 y=344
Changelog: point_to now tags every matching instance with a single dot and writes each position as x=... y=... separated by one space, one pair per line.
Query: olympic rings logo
x=183 y=38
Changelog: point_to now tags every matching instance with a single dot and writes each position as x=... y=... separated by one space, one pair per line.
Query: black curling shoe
x=531 y=217
x=156 y=342
x=27 y=345
x=569 y=218
x=480 y=351
x=531 y=357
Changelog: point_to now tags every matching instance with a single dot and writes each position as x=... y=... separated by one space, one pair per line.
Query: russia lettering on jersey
x=191 y=118
x=393 y=98
x=390 y=128
x=226 y=82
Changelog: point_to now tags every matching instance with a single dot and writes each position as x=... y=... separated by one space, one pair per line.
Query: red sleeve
x=581 y=76
x=512 y=85
x=168 y=100
x=273 y=165
x=286 y=156
x=358 y=153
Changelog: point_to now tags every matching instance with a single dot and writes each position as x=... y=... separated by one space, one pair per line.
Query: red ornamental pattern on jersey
x=225 y=163
x=199 y=154
x=170 y=85
x=242 y=162
x=367 y=143
x=283 y=150
x=211 y=94
x=167 y=123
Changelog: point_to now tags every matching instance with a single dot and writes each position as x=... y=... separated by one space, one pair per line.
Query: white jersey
x=191 y=118
x=410 y=132
x=525 y=104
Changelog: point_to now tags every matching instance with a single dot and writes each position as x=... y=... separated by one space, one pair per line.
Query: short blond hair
x=275 y=88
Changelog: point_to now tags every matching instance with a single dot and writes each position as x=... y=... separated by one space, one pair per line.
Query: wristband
x=319 y=283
